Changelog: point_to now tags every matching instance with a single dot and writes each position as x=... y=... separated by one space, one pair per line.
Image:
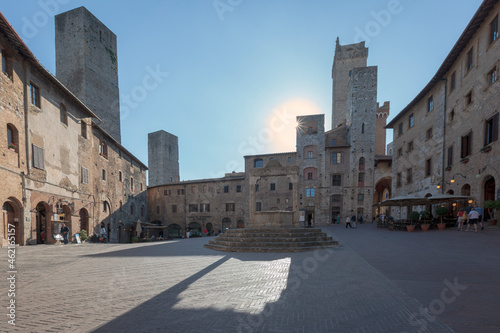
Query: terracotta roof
x=469 y=32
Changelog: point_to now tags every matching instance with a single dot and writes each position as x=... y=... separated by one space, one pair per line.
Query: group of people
x=471 y=215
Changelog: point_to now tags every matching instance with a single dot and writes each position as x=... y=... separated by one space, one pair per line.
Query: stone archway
x=84 y=220
x=488 y=193
x=240 y=224
x=12 y=229
x=43 y=225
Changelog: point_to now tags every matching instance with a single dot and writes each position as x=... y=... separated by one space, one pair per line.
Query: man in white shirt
x=473 y=219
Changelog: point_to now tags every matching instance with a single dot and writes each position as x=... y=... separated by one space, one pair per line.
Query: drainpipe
x=444 y=132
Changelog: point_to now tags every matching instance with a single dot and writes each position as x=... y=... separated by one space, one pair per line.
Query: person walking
x=473 y=218
x=353 y=219
x=348 y=222
x=479 y=210
x=462 y=216
x=65 y=232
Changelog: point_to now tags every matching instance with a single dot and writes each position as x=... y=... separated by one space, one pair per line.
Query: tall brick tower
x=163 y=158
x=347 y=57
x=87 y=63
x=380 y=137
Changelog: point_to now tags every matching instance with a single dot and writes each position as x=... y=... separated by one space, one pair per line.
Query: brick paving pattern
x=179 y=286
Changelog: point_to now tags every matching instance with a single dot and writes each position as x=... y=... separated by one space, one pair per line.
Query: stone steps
x=271 y=240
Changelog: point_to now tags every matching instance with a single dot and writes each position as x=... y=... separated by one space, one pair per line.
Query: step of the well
x=271 y=240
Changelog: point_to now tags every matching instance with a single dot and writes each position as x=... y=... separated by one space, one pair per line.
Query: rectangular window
x=453 y=81
x=429 y=133
x=226 y=189
x=193 y=208
x=310 y=176
x=132 y=188
x=411 y=121
x=336 y=180
x=400 y=152
x=334 y=142
x=398 y=180
x=361 y=197
x=35 y=94
x=450 y=156
x=180 y=192
x=120 y=176
x=410 y=146
x=466 y=145
x=174 y=208
x=428 y=167
x=165 y=192
x=468 y=98
x=494 y=29
x=361 y=179
x=258 y=206
x=430 y=104
x=7 y=66
x=400 y=129
x=38 y=157
x=256 y=187
x=492 y=76
x=337 y=158
x=470 y=62
x=336 y=198
x=103 y=148
x=84 y=175
x=204 y=208
x=290 y=186
x=103 y=174
x=409 y=175
x=238 y=188
x=230 y=207
x=309 y=154
x=310 y=192
x=491 y=130
x=273 y=186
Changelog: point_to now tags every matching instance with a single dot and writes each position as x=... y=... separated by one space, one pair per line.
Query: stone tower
x=86 y=63
x=347 y=57
x=163 y=158
x=380 y=137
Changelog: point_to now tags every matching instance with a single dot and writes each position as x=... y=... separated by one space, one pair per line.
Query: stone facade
x=60 y=165
x=446 y=139
x=87 y=63
x=163 y=158
x=215 y=204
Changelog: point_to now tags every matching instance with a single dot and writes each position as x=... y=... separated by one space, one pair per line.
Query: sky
x=230 y=76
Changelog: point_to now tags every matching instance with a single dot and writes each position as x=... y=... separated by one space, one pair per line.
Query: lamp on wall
x=457 y=174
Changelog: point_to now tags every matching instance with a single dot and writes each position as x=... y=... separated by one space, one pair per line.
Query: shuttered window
x=38 y=157
x=85 y=175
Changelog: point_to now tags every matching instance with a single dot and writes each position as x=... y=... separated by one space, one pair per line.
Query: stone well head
x=274 y=219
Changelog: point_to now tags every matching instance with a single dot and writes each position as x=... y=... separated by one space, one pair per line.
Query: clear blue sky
x=240 y=70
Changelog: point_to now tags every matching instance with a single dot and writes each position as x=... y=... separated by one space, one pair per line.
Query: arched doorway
x=42 y=223
x=84 y=220
x=489 y=194
x=240 y=224
x=174 y=231
x=226 y=224
x=210 y=228
x=195 y=229
x=11 y=225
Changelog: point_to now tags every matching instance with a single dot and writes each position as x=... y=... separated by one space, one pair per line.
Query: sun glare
x=282 y=122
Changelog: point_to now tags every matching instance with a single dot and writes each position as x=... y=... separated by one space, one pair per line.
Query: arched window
x=361 y=164
x=12 y=138
x=310 y=173
x=466 y=190
x=63 y=114
x=258 y=163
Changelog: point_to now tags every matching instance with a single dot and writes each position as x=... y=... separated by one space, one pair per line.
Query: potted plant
x=425 y=219
x=413 y=217
x=83 y=235
x=440 y=212
x=492 y=206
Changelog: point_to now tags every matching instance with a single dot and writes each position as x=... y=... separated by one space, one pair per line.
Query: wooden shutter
x=495 y=128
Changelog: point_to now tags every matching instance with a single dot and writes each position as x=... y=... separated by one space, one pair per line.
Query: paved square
x=375 y=281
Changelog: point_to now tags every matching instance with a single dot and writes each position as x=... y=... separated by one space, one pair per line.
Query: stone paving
x=367 y=284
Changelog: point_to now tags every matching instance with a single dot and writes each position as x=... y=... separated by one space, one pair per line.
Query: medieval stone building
x=331 y=175
x=446 y=139
x=59 y=162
